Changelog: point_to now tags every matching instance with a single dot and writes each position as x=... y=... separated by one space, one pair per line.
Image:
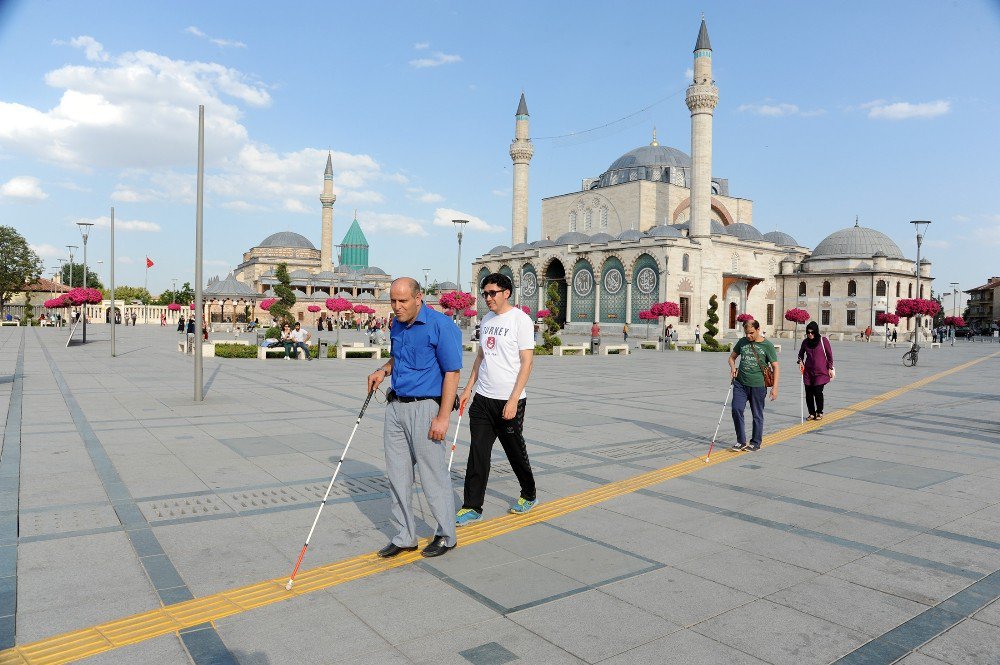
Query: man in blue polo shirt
x=425 y=366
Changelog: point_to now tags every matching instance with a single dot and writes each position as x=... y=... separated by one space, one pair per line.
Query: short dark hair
x=298 y=323
x=497 y=279
x=752 y=323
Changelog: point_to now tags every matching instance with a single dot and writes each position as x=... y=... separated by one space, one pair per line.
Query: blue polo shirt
x=423 y=351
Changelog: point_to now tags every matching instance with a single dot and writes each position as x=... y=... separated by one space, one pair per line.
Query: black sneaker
x=753 y=448
x=740 y=447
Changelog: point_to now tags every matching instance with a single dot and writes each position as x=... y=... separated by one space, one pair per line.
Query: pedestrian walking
x=895 y=333
x=499 y=376
x=697 y=334
x=425 y=367
x=134 y=317
x=180 y=324
x=816 y=359
x=758 y=370
x=868 y=334
x=625 y=332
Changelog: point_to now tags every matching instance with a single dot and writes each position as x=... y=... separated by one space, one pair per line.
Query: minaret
x=327 y=198
x=521 y=151
x=702 y=96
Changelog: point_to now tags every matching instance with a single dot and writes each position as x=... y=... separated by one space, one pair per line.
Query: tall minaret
x=702 y=96
x=327 y=198
x=521 y=151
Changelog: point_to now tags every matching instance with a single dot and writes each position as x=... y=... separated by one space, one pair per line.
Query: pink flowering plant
x=886 y=319
x=174 y=307
x=526 y=309
x=469 y=313
x=313 y=308
x=796 y=315
x=266 y=303
x=456 y=300
x=956 y=321
x=542 y=313
x=908 y=307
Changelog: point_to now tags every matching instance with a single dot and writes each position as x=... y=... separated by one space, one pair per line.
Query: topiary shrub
x=542 y=351
x=282 y=309
x=235 y=351
x=273 y=333
x=550 y=336
x=708 y=339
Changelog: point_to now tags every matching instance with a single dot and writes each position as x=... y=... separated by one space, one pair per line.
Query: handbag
x=764 y=369
x=833 y=370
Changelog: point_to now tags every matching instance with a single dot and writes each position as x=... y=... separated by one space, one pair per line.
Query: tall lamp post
x=921 y=227
x=71 y=249
x=459 y=225
x=85 y=232
x=427 y=271
x=954 y=309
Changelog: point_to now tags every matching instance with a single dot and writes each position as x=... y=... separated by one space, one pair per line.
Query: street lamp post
x=71 y=249
x=954 y=309
x=921 y=227
x=459 y=225
x=85 y=232
x=427 y=271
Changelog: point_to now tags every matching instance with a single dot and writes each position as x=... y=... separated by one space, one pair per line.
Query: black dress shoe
x=392 y=549
x=436 y=548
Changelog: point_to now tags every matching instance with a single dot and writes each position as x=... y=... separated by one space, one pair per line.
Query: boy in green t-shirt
x=754 y=353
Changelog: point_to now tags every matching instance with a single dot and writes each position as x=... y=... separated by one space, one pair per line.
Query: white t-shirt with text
x=298 y=335
x=502 y=338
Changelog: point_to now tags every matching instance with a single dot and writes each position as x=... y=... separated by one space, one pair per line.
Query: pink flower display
x=542 y=313
x=526 y=309
x=743 y=318
x=191 y=306
x=266 y=303
x=449 y=312
x=907 y=307
x=363 y=309
x=647 y=315
x=174 y=307
x=313 y=308
x=886 y=318
x=82 y=296
x=469 y=313
x=665 y=309
x=456 y=300
x=796 y=315
x=956 y=321
x=338 y=305
x=56 y=303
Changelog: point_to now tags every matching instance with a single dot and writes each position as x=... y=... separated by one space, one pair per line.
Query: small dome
x=572 y=238
x=856 y=242
x=447 y=286
x=651 y=155
x=630 y=234
x=863 y=267
x=665 y=231
x=499 y=249
x=744 y=231
x=373 y=270
x=286 y=239
x=718 y=228
x=520 y=247
x=344 y=294
x=925 y=261
x=601 y=238
x=326 y=274
x=789 y=258
x=270 y=293
x=781 y=239
x=342 y=269
x=299 y=273
x=544 y=242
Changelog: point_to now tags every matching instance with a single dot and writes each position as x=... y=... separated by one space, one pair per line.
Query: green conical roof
x=354 y=247
x=355 y=236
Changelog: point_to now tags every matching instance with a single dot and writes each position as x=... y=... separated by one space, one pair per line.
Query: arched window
x=802 y=288
x=588 y=219
x=880 y=288
x=852 y=288
x=909 y=291
x=921 y=291
x=898 y=286
x=604 y=218
x=826 y=288
x=572 y=220
x=685 y=263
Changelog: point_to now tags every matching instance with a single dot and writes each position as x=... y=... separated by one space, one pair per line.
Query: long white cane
x=454 y=441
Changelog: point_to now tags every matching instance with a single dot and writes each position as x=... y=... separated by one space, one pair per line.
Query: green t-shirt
x=748 y=373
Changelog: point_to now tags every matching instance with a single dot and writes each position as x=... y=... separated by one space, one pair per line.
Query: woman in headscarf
x=816 y=359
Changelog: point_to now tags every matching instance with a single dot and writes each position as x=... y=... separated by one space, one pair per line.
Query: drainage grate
x=188 y=507
x=65 y=520
x=263 y=498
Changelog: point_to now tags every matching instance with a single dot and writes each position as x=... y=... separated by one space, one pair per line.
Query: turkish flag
x=149 y=262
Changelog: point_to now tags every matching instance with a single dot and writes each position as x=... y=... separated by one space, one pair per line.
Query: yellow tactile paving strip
x=85 y=642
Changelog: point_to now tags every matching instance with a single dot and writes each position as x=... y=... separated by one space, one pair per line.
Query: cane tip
x=288 y=586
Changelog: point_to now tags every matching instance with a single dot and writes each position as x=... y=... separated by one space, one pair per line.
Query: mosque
x=657 y=225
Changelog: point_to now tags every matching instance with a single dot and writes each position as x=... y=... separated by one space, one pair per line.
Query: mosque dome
x=665 y=231
x=520 y=247
x=653 y=162
x=373 y=270
x=856 y=242
x=600 y=238
x=287 y=239
x=499 y=249
x=447 y=286
x=781 y=239
x=718 y=228
x=630 y=234
x=651 y=155
x=572 y=238
x=544 y=242
x=744 y=231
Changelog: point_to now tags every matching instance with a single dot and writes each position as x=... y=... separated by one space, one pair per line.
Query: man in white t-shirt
x=299 y=338
x=499 y=375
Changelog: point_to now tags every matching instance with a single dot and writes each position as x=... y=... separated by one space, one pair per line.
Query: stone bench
x=561 y=350
x=649 y=345
x=264 y=351
x=935 y=345
x=622 y=349
x=365 y=351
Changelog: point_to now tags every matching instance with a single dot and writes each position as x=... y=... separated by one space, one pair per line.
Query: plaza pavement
x=870 y=539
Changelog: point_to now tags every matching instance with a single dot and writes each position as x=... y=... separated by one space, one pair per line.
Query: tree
x=186 y=295
x=19 y=265
x=72 y=275
x=550 y=332
x=710 y=329
x=129 y=293
x=282 y=309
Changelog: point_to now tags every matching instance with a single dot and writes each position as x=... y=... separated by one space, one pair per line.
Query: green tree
x=130 y=293
x=711 y=330
x=550 y=334
x=282 y=309
x=19 y=265
x=186 y=294
x=75 y=271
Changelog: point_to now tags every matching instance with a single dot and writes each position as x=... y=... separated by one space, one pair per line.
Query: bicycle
x=910 y=357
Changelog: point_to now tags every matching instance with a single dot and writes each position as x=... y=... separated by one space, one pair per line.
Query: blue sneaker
x=522 y=506
x=467 y=516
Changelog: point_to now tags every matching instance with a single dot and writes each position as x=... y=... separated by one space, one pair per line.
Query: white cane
x=454 y=441
x=802 y=398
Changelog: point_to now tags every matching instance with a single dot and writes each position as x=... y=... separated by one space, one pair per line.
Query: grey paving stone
x=594 y=563
x=965 y=555
x=906 y=580
x=685 y=647
x=779 y=634
x=917 y=658
x=970 y=642
x=593 y=625
x=515 y=585
x=748 y=572
x=990 y=614
x=459 y=645
x=163 y=649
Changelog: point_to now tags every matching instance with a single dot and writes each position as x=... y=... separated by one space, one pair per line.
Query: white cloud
x=243 y=206
x=443 y=217
x=295 y=205
x=379 y=222
x=25 y=189
x=126 y=260
x=421 y=46
x=938 y=244
x=436 y=60
x=93 y=50
x=218 y=41
x=419 y=194
x=881 y=110
x=501 y=192
x=688 y=74
x=47 y=251
x=123 y=225
x=72 y=186
x=771 y=110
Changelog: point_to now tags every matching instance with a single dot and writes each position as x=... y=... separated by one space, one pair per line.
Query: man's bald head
x=403 y=282
x=406 y=298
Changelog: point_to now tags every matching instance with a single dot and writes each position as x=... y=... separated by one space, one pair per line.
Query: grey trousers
x=407 y=446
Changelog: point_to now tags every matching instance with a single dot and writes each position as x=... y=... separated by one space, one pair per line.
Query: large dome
x=651 y=155
x=856 y=242
x=286 y=239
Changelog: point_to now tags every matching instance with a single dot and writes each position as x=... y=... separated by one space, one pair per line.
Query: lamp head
x=921 y=226
x=85 y=229
x=459 y=224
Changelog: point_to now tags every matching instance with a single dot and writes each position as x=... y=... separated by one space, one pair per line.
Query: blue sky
x=883 y=110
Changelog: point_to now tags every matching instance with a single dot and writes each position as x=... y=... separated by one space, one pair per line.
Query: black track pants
x=487 y=424
x=814 y=399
